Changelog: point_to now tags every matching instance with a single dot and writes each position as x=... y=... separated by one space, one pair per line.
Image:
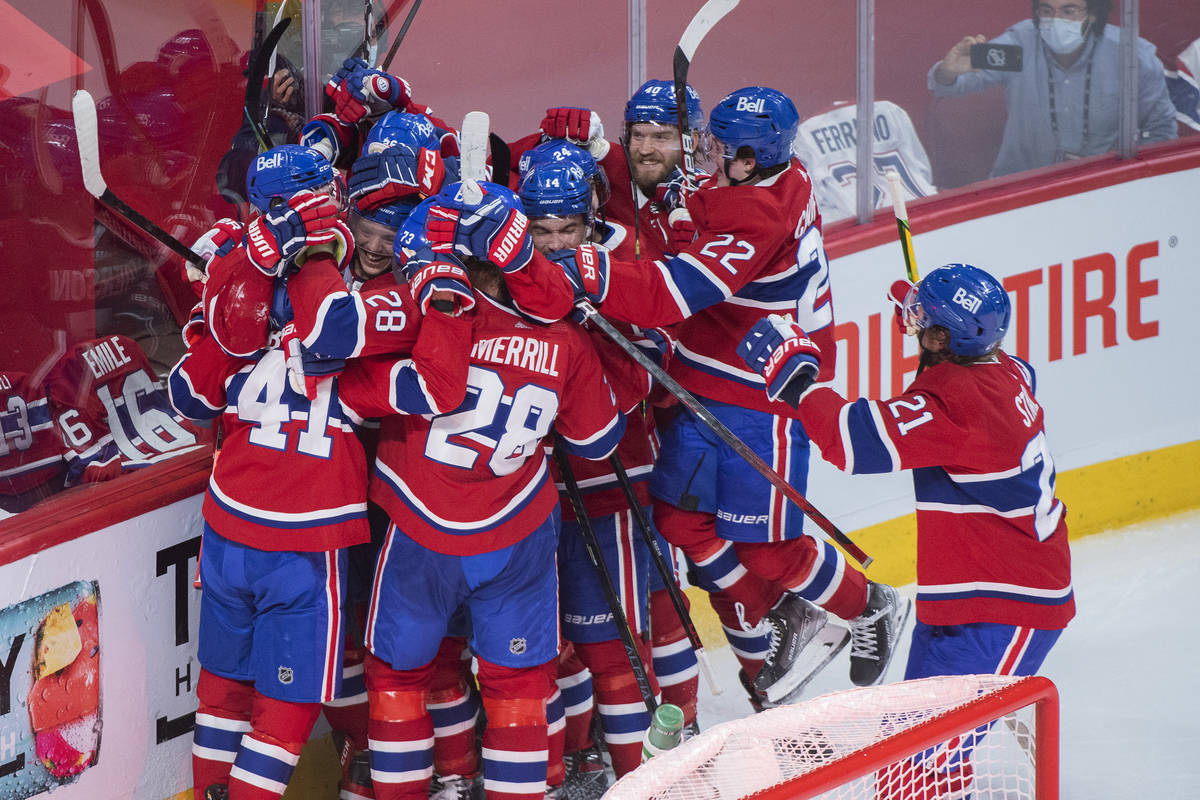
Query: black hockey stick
x=690 y=401
x=408 y=21
x=664 y=571
x=83 y=108
x=596 y=556
x=501 y=159
x=255 y=76
x=709 y=15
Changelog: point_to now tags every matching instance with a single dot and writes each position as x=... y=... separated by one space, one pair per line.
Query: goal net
x=982 y=737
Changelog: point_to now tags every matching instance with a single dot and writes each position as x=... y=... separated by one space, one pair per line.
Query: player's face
x=653 y=153
x=372 y=247
x=558 y=233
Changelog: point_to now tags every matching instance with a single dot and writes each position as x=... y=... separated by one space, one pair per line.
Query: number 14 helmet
x=966 y=301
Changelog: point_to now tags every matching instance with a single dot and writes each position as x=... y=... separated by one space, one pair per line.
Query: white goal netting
x=867 y=744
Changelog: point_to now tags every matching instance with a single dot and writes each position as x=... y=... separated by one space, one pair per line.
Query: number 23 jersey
x=477 y=480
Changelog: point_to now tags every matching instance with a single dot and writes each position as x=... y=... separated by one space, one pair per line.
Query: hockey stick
x=412 y=12
x=83 y=108
x=665 y=572
x=255 y=76
x=690 y=401
x=472 y=144
x=901 y=211
x=709 y=15
x=592 y=545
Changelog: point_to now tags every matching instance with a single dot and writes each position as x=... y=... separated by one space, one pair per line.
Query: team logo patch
x=517 y=646
x=285 y=675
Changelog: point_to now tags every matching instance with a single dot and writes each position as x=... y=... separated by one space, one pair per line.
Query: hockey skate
x=874 y=634
x=586 y=778
x=456 y=787
x=802 y=642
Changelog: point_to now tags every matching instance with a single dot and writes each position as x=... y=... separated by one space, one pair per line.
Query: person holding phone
x=1061 y=76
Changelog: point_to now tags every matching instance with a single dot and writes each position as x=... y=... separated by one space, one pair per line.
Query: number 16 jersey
x=476 y=480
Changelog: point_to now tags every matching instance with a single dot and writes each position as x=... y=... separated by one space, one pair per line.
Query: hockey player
x=31 y=452
x=993 y=564
x=475 y=521
x=759 y=250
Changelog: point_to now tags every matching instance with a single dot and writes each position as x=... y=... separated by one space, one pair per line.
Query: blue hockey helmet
x=393 y=215
x=763 y=119
x=276 y=175
x=965 y=300
x=560 y=151
x=654 y=101
x=410 y=236
x=398 y=129
x=560 y=189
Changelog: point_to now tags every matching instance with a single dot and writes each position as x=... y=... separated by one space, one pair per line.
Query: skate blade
x=826 y=644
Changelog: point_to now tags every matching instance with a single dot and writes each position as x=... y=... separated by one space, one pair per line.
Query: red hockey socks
x=619 y=701
x=401 y=730
x=453 y=703
x=814 y=570
x=675 y=663
x=269 y=752
x=516 y=742
x=221 y=719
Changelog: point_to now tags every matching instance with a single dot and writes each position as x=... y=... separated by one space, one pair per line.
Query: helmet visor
x=915 y=318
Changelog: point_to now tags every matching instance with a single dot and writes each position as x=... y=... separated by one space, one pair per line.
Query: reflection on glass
x=1062 y=91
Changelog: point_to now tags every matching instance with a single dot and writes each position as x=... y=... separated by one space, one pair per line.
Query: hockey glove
x=897 y=293
x=223 y=236
x=306 y=369
x=655 y=343
x=382 y=178
x=440 y=273
x=681 y=231
x=194 y=329
x=673 y=192
x=494 y=231
x=276 y=237
x=340 y=245
x=587 y=268
x=779 y=350
x=579 y=126
x=321 y=136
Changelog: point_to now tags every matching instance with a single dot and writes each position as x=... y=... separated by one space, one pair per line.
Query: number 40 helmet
x=966 y=301
x=654 y=101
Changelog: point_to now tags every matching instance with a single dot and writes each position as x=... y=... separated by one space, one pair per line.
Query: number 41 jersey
x=476 y=480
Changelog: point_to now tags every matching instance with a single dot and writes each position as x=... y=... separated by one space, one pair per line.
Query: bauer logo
x=49 y=690
x=751 y=105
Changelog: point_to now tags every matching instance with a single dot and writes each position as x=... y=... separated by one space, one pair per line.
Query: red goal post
x=944 y=738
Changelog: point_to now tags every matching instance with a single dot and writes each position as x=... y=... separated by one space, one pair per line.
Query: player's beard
x=649 y=174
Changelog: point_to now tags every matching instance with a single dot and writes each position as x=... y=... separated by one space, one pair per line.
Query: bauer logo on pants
x=516 y=646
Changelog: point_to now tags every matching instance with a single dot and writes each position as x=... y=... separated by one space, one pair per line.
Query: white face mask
x=1063 y=36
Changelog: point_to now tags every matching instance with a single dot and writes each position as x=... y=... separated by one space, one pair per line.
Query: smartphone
x=1001 y=57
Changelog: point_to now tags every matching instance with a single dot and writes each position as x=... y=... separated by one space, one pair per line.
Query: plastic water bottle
x=665 y=731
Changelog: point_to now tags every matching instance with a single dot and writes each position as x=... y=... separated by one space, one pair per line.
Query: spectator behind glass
x=1064 y=104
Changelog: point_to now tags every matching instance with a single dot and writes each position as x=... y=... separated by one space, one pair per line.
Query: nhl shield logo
x=285 y=675
x=517 y=646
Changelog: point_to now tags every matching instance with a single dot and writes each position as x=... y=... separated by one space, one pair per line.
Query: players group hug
x=443 y=480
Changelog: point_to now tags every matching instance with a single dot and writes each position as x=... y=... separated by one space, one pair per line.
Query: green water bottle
x=665 y=731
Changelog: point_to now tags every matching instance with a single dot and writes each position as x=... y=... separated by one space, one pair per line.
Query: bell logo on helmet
x=269 y=161
x=967 y=300
x=750 y=104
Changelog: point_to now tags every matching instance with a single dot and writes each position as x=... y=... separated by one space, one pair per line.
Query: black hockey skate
x=456 y=787
x=586 y=777
x=802 y=642
x=874 y=634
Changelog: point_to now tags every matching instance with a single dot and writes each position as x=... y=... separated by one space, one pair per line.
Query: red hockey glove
x=681 y=231
x=442 y=273
x=580 y=126
x=897 y=293
x=779 y=350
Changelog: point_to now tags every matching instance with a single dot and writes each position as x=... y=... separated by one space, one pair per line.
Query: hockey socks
x=401 y=731
x=622 y=709
x=516 y=740
x=453 y=703
x=269 y=752
x=814 y=570
x=675 y=663
x=575 y=683
x=221 y=719
x=556 y=734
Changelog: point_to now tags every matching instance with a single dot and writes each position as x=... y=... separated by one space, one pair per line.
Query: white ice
x=1127 y=667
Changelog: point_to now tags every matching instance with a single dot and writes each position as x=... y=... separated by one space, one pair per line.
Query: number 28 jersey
x=477 y=480
x=991 y=535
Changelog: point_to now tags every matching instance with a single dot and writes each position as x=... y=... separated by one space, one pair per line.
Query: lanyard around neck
x=1087 y=96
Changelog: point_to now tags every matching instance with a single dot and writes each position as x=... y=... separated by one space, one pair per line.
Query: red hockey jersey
x=476 y=480
x=31 y=453
x=110 y=407
x=991 y=535
x=758 y=251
